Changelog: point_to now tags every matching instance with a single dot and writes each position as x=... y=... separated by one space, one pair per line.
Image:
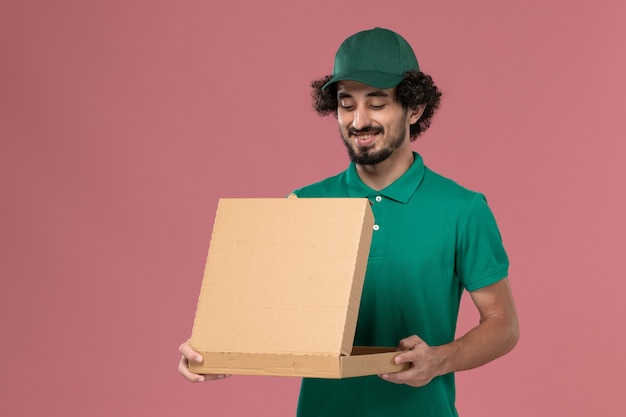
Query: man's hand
x=425 y=363
x=188 y=354
x=495 y=335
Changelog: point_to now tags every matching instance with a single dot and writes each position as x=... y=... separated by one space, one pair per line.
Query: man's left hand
x=425 y=363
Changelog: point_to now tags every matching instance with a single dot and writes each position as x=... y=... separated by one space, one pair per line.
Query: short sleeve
x=481 y=259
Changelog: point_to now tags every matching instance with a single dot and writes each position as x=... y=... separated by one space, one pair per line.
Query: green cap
x=377 y=57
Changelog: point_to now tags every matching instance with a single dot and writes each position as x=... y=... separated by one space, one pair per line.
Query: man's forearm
x=493 y=337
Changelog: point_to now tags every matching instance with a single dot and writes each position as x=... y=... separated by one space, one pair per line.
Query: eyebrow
x=372 y=94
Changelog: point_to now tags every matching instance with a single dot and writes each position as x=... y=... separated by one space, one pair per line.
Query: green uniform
x=432 y=238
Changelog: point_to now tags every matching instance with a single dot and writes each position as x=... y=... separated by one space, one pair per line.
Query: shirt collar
x=400 y=190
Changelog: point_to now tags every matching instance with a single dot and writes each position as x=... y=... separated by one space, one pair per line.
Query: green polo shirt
x=432 y=239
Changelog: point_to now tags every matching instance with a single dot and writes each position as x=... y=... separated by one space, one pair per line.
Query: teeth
x=365 y=136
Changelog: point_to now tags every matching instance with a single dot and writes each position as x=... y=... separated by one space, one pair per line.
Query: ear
x=416 y=113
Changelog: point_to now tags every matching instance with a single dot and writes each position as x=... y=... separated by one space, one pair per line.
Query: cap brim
x=375 y=79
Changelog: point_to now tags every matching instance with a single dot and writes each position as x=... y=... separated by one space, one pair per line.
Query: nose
x=361 y=119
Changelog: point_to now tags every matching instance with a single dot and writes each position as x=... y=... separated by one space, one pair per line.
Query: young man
x=432 y=240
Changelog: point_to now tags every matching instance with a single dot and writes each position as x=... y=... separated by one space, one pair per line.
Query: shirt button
x=376 y=227
x=379 y=198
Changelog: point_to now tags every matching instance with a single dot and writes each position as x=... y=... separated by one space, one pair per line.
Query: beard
x=369 y=156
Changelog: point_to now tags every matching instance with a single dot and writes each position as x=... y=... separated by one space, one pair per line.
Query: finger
x=216 y=376
x=189 y=353
x=400 y=377
x=183 y=369
x=408 y=356
x=409 y=342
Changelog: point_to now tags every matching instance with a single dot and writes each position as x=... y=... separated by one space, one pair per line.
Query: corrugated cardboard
x=282 y=287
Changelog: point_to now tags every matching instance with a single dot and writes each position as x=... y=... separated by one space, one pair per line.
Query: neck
x=380 y=175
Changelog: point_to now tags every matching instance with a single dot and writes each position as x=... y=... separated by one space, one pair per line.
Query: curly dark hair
x=416 y=88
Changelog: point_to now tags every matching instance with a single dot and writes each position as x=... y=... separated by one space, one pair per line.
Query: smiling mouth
x=365 y=137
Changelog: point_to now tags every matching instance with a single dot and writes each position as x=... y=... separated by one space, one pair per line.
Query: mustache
x=367 y=129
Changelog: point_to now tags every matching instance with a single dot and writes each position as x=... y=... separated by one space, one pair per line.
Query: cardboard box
x=281 y=290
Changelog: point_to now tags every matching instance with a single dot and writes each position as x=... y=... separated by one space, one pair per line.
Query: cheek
x=344 y=118
x=341 y=119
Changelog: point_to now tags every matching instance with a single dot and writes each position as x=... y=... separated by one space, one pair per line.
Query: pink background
x=123 y=122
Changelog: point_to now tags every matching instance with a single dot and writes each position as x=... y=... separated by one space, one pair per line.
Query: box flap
x=284 y=275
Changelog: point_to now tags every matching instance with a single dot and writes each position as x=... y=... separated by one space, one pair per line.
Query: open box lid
x=284 y=276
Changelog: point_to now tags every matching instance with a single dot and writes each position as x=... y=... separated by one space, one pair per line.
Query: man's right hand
x=190 y=355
